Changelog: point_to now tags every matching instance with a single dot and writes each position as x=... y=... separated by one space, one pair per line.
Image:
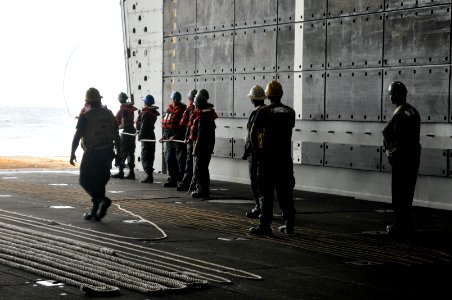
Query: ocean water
x=36 y=131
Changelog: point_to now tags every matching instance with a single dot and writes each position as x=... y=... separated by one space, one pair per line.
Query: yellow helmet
x=274 y=89
x=92 y=94
x=257 y=93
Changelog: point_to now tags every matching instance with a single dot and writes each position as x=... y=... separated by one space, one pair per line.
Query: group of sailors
x=188 y=134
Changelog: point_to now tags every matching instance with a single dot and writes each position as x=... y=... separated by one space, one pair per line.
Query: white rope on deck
x=96 y=269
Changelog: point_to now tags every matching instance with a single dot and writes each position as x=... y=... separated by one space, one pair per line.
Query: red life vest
x=173 y=116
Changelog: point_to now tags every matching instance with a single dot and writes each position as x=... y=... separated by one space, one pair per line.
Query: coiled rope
x=162 y=271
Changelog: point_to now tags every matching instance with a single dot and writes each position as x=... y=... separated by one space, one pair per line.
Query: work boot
x=398 y=231
x=102 y=210
x=170 y=184
x=120 y=174
x=148 y=179
x=182 y=187
x=287 y=228
x=200 y=194
x=261 y=230
x=91 y=216
x=131 y=175
x=254 y=213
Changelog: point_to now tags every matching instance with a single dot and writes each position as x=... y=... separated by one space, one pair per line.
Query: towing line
x=153 y=141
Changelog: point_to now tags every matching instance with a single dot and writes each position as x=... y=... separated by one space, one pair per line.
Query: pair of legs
x=94 y=176
x=175 y=154
x=201 y=174
x=147 y=160
x=253 y=169
x=184 y=185
x=127 y=154
x=403 y=183
x=276 y=176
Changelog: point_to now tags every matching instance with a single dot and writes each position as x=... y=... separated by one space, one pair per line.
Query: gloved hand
x=73 y=159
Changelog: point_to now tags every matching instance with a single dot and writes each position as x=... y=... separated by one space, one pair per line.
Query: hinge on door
x=128 y=52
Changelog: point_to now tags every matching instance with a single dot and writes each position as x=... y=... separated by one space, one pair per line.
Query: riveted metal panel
x=417 y=37
x=310 y=10
x=309 y=95
x=139 y=6
x=286 y=47
x=286 y=11
x=366 y=157
x=214 y=53
x=169 y=56
x=355 y=41
x=338 y=155
x=433 y=162
x=296 y=152
x=287 y=82
x=220 y=88
x=214 y=15
x=179 y=17
x=181 y=84
x=398 y=4
x=350 y=7
x=238 y=147
x=353 y=95
x=179 y=55
x=310 y=41
x=353 y=156
x=428 y=91
x=312 y=153
x=242 y=86
x=255 y=12
x=223 y=148
x=255 y=50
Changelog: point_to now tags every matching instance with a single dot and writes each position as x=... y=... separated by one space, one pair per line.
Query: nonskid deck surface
x=155 y=240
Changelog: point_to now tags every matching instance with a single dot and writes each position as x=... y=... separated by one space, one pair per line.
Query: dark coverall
x=253 y=162
x=203 y=137
x=275 y=122
x=125 y=119
x=175 y=152
x=146 y=125
x=401 y=141
x=97 y=128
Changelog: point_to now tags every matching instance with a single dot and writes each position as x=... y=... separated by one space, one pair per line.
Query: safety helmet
x=176 y=96
x=257 y=93
x=92 y=94
x=201 y=97
x=122 y=97
x=397 y=89
x=191 y=94
x=274 y=89
x=148 y=100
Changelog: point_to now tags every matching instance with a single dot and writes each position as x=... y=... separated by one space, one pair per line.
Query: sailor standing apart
x=98 y=131
x=401 y=141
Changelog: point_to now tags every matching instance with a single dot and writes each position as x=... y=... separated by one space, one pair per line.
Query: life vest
x=152 y=110
x=100 y=130
x=173 y=116
x=207 y=113
x=125 y=116
x=187 y=114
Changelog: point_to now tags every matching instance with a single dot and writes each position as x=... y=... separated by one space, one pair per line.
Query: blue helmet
x=176 y=96
x=148 y=100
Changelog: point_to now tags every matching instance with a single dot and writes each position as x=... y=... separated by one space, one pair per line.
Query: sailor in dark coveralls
x=401 y=141
x=272 y=132
x=98 y=130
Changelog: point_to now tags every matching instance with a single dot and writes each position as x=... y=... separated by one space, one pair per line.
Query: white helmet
x=257 y=93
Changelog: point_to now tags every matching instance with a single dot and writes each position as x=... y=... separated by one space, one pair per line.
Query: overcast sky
x=41 y=38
